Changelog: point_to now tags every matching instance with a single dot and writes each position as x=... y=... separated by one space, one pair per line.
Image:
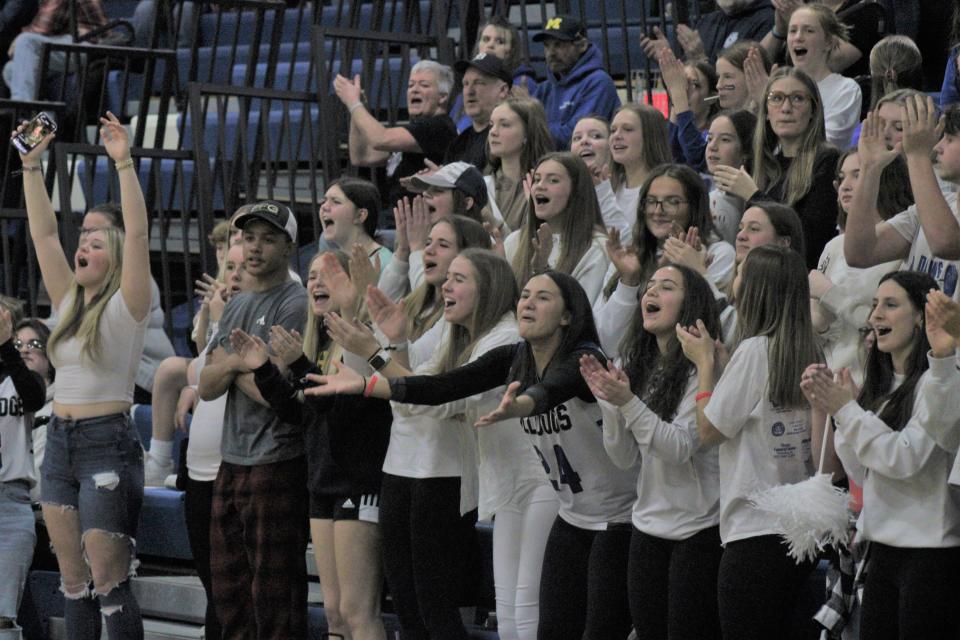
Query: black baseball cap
x=563 y=27
x=487 y=64
x=272 y=212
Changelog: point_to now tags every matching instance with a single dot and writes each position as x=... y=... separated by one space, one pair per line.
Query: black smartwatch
x=379 y=360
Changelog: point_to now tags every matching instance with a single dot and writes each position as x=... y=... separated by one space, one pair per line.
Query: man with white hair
x=733 y=21
x=402 y=148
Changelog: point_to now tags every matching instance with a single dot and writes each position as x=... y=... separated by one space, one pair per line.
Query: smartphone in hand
x=36 y=130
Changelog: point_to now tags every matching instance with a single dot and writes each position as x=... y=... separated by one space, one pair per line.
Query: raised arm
x=370 y=143
x=920 y=134
x=867 y=239
x=54 y=266
x=135 y=276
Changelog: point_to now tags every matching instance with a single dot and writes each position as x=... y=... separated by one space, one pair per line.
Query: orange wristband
x=368 y=391
x=703 y=395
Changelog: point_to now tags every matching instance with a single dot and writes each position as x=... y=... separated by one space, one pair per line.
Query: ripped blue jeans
x=95 y=466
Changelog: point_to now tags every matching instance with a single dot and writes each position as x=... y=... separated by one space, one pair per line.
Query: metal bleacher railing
x=233 y=101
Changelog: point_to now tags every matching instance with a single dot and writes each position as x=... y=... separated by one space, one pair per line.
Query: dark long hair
x=896 y=407
x=660 y=379
x=581 y=331
x=645 y=244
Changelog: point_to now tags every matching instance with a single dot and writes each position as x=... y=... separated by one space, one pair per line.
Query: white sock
x=161 y=450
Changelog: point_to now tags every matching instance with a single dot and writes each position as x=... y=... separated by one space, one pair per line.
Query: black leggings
x=759 y=586
x=583 y=584
x=672 y=585
x=198 y=498
x=428 y=553
x=911 y=593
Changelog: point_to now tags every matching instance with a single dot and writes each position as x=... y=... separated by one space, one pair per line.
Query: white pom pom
x=810 y=515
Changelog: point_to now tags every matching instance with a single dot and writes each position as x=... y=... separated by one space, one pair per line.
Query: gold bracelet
x=32 y=167
x=124 y=164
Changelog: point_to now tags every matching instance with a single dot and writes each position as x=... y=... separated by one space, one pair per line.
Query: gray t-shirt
x=252 y=433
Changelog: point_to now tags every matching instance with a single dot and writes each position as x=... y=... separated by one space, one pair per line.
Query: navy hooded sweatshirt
x=586 y=90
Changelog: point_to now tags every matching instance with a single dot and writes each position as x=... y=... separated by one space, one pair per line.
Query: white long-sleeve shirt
x=907 y=501
x=678 y=489
x=589 y=272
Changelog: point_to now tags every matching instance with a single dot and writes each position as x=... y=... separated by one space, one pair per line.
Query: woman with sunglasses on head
x=22 y=392
x=104 y=305
x=792 y=161
x=910 y=387
x=583 y=582
x=650 y=417
x=759 y=417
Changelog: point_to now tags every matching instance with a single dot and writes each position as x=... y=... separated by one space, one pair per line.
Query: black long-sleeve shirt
x=561 y=380
x=818 y=208
x=346 y=437
x=29 y=385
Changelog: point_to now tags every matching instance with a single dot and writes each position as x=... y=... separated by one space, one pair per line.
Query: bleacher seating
x=242 y=49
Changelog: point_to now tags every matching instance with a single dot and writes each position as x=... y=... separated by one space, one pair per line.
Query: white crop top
x=112 y=377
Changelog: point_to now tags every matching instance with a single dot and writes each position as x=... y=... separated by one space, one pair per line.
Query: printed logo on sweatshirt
x=12 y=406
x=778 y=429
x=262 y=321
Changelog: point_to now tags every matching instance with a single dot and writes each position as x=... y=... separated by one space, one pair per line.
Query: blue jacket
x=587 y=90
x=950 y=91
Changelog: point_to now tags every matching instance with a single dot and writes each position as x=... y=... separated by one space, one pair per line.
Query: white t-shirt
x=765 y=446
x=422 y=446
x=921 y=258
x=111 y=378
x=206 y=432
x=16 y=450
x=841 y=108
x=678 y=489
x=508 y=464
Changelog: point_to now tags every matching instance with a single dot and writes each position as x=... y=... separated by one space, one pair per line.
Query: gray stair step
x=179 y=598
x=182 y=598
x=152 y=630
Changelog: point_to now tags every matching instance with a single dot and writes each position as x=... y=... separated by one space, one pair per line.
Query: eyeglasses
x=33 y=344
x=776 y=99
x=669 y=205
